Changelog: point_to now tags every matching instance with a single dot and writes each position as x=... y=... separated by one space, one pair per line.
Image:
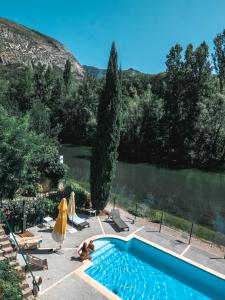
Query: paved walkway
x=60 y=281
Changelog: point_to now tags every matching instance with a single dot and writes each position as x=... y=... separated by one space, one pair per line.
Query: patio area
x=60 y=281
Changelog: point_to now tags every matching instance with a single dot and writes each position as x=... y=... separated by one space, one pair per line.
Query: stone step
x=6 y=249
x=18 y=269
x=27 y=292
x=22 y=276
x=24 y=285
x=10 y=256
x=20 y=272
x=31 y=297
x=3 y=238
x=14 y=263
x=2 y=258
x=5 y=243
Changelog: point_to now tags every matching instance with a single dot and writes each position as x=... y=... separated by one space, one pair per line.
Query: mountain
x=19 y=44
x=94 y=71
x=99 y=73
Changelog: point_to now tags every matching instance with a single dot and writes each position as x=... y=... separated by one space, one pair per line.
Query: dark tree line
x=173 y=118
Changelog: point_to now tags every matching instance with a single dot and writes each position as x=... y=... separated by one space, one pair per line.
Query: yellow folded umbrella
x=71 y=205
x=59 y=230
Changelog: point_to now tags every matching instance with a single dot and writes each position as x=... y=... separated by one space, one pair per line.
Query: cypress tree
x=67 y=75
x=104 y=151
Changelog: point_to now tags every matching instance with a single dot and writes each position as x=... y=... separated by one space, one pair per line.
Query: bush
x=54 y=170
x=9 y=282
x=80 y=193
x=35 y=209
x=154 y=215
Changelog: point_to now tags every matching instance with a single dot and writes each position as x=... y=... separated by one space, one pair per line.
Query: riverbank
x=189 y=193
x=175 y=225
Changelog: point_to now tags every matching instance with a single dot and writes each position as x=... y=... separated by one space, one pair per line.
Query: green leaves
x=104 y=152
x=9 y=282
x=24 y=155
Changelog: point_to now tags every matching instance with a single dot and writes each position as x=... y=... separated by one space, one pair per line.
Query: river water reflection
x=193 y=194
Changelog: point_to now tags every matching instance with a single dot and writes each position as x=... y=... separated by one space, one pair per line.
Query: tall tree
x=197 y=81
x=39 y=119
x=67 y=75
x=40 y=82
x=219 y=58
x=22 y=89
x=173 y=100
x=104 y=151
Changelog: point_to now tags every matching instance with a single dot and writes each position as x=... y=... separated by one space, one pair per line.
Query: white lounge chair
x=48 y=222
x=79 y=222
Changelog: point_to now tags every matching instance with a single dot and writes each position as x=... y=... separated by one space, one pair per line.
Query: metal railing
x=187 y=228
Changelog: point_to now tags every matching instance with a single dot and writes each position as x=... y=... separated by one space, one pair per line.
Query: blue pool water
x=135 y=270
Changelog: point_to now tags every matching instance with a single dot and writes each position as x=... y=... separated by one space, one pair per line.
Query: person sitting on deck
x=91 y=246
x=84 y=252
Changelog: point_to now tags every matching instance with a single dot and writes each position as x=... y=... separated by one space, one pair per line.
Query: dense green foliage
x=28 y=148
x=35 y=211
x=25 y=155
x=174 y=118
x=9 y=282
x=36 y=208
x=104 y=151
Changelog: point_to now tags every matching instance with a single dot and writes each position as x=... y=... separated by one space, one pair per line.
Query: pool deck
x=62 y=281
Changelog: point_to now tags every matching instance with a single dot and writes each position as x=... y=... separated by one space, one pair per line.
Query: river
x=190 y=193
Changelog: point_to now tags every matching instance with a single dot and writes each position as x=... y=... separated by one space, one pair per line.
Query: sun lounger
x=26 y=242
x=115 y=214
x=37 y=263
x=79 y=222
x=48 y=222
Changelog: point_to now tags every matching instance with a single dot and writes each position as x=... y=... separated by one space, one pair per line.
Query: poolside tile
x=207 y=259
x=165 y=241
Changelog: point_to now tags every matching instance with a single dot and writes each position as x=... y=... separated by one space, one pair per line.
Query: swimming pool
x=135 y=270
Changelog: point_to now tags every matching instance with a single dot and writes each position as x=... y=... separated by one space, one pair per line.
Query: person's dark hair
x=84 y=247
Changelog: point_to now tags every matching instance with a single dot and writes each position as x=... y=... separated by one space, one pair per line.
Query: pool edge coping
x=110 y=295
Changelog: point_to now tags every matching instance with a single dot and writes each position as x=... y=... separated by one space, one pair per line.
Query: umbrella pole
x=59 y=250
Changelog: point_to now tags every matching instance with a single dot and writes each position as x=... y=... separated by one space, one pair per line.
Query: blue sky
x=144 y=30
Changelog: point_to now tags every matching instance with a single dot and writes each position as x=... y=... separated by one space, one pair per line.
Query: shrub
x=35 y=209
x=9 y=282
x=154 y=215
x=38 y=208
x=80 y=193
x=54 y=170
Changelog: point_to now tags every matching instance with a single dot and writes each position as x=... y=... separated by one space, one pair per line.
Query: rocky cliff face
x=19 y=44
